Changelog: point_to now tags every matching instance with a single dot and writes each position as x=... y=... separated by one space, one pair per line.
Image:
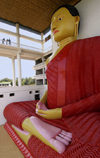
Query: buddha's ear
x=77 y=19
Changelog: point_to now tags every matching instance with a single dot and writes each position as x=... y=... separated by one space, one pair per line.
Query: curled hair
x=73 y=11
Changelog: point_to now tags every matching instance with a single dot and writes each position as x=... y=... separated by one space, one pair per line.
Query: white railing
x=30 y=47
x=8 y=43
x=25 y=46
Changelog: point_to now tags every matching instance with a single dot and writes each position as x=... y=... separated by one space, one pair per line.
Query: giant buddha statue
x=67 y=117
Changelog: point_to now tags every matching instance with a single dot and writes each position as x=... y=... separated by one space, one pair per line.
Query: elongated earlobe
x=76 y=25
x=76 y=29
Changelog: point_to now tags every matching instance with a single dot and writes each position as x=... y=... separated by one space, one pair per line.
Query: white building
x=4 y=84
x=40 y=75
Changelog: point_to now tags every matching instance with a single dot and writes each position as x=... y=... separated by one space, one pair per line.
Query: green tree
x=6 y=80
x=26 y=81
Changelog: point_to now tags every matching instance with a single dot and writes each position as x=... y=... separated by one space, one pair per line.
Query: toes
x=62 y=140
x=65 y=137
x=61 y=135
x=66 y=133
x=68 y=138
x=60 y=146
x=69 y=134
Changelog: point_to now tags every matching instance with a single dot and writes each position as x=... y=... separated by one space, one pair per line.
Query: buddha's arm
x=90 y=104
x=44 y=97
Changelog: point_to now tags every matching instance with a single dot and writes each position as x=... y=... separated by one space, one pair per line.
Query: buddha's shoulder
x=87 y=41
x=47 y=61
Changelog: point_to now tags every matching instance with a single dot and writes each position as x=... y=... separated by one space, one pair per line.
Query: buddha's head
x=65 y=22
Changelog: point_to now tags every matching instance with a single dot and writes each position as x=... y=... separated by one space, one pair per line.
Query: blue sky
x=26 y=65
x=6 y=68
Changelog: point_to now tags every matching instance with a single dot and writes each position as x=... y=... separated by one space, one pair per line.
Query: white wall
x=90 y=19
x=20 y=94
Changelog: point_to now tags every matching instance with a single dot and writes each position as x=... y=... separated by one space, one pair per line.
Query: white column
x=43 y=70
x=35 y=82
x=43 y=78
x=42 y=42
x=18 y=37
x=43 y=81
x=19 y=68
x=42 y=59
x=13 y=72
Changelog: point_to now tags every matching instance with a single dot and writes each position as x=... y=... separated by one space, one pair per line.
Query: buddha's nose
x=54 y=27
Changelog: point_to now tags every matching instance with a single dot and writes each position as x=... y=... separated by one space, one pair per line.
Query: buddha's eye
x=59 y=19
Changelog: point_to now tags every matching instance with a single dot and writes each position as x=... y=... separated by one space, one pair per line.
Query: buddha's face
x=62 y=24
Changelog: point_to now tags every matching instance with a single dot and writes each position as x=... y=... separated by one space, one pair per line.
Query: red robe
x=74 y=85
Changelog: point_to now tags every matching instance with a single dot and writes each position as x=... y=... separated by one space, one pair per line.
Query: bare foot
x=52 y=136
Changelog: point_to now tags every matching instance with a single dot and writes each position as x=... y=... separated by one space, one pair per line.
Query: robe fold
x=73 y=85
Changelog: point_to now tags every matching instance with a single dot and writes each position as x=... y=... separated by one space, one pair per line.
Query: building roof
x=5 y=82
x=33 y=14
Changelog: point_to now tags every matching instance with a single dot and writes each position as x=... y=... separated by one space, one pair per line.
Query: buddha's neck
x=61 y=45
x=66 y=41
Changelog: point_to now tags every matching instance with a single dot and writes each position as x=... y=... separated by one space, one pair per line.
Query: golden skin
x=64 y=28
x=64 y=22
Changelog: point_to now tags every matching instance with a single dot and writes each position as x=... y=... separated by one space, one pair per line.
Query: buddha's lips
x=55 y=31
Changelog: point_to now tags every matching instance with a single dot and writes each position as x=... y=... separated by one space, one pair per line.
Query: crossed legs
x=50 y=135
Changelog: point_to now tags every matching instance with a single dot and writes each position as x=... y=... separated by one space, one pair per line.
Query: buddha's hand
x=41 y=106
x=50 y=114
